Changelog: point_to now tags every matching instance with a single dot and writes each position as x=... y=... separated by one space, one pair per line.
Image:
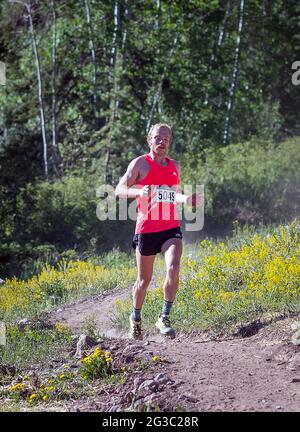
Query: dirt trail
x=257 y=373
x=100 y=308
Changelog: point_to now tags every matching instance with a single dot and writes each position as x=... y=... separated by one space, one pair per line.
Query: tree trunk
x=40 y=92
x=106 y=164
x=55 y=149
x=116 y=28
x=3 y=129
x=40 y=87
x=218 y=43
x=224 y=24
x=2 y=73
x=157 y=94
x=125 y=33
x=93 y=54
x=234 y=79
x=114 y=103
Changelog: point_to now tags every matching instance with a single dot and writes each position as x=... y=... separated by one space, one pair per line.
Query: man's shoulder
x=138 y=164
x=175 y=162
x=141 y=158
x=138 y=161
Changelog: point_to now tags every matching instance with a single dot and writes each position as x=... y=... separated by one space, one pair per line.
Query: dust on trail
x=257 y=373
x=100 y=308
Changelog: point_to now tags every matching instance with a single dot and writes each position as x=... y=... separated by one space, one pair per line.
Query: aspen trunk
x=234 y=79
x=40 y=87
x=114 y=103
x=158 y=92
x=40 y=92
x=55 y=149
x=125 y=33
x=93 y=54
x=218 y=43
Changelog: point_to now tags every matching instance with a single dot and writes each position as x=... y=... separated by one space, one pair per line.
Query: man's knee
x=173 y=269
x=143 y=282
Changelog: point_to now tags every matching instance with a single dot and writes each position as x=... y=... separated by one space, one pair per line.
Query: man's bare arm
x=180 y=198
x=192 y=200
x=124 y=189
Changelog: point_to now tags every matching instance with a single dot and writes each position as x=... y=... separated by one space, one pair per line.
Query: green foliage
x=29 y=345
x=90 y=327
x=116 y=258
x=55 y=211
x=255 y=182
x=67 y=281
x=167 y=61
x=96 y=365
x=62 y=213
x=190 y=69
x=248 y=276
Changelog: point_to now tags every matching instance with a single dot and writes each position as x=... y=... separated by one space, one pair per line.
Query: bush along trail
x=237 y=346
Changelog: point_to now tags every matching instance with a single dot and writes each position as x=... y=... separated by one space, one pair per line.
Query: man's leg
x=144 y=276
x=172 y=250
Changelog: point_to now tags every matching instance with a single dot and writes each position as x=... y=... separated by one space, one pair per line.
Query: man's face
x=159 y=141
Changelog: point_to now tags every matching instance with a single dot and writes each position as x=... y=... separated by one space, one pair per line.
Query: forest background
x=85 y=79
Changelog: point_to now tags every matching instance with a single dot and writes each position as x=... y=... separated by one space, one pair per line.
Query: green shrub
x=96 y=365
x=254 y=182
x=236 y=280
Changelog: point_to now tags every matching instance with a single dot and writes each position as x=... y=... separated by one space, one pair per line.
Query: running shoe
x=164 y=325
x=135 y=331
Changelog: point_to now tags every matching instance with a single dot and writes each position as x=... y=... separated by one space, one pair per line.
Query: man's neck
x=161 y=159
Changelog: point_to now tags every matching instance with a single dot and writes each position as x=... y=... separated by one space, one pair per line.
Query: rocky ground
x=254 y=368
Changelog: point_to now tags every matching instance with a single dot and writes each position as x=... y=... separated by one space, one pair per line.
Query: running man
x=156 y=178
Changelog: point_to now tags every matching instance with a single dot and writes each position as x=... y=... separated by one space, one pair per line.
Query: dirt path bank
x=257 y=373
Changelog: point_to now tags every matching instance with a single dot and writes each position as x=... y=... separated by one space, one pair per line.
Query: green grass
x=249 y=275
x=29 y=346
x=66 y=282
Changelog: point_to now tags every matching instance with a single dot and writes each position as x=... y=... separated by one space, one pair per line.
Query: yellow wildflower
x=49 y=388
x=17 y=387
x=32 y=397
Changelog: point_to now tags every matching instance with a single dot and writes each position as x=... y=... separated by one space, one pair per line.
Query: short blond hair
x=159 y=125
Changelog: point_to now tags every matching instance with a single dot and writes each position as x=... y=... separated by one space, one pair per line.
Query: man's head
x=159 y=138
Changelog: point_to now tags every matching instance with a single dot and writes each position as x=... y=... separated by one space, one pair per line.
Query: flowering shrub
x=56 y=284
x=17 y=391
x=238 y=280
x=224 y=284
x=96 y=365
x=49 y=389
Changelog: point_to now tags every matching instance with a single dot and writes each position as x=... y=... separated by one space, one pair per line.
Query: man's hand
x=194 y=200
x=146 y=191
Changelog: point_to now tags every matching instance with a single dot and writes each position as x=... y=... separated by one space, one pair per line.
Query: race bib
x=165 y=195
